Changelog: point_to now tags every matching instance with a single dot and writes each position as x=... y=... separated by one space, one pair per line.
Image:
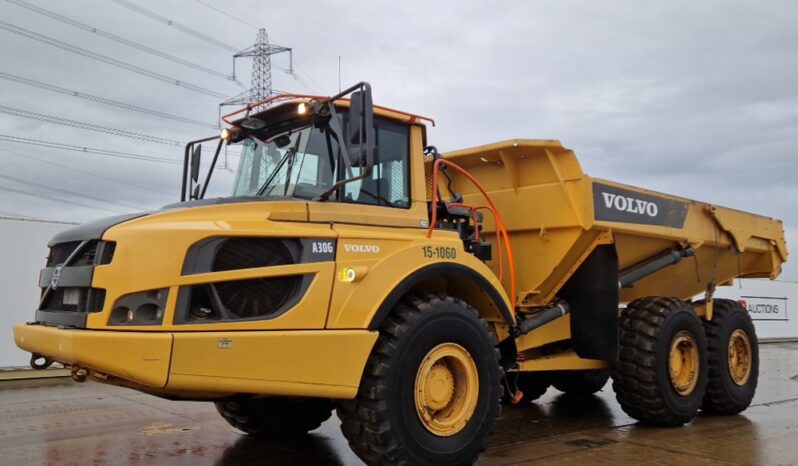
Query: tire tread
x=363 y=419
x=718 y=400
x=275 y=417
x=635 y=377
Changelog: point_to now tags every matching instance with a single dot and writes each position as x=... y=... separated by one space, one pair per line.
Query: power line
x=301 y=68
x=13 y=215
x=316 y=89
x=68 y=192
x=87 y=126
x=103 y=100
x=121 y=40
x=25 y=218
x=88 y=150
x=107 y=60
x=228 y=14
x=91 y=150
x=261 y=52
x=103 y=177
x=164 y=20
x=57 y=199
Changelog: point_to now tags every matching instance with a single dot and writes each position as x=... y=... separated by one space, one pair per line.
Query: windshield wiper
x=289 y=155
x=293 y=152
x=267 y=184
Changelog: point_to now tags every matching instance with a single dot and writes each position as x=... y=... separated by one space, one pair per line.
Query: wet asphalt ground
x=59 y=422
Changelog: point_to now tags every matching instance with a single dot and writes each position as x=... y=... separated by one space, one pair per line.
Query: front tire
x=275 y=418
x=581 y=383
x=431 y=390
x=733 y=359
x=532 y=384
x=661 y=376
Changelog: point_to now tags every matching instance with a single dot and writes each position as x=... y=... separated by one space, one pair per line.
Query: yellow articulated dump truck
x=354 y=268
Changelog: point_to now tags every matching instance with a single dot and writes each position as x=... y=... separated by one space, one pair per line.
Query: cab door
x=379 y=215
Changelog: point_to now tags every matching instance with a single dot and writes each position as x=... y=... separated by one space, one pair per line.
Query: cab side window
x=389 y=182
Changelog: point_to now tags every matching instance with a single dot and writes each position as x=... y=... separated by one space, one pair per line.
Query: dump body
x=556 y=215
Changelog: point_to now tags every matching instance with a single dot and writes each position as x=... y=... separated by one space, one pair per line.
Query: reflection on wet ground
x=62 y=423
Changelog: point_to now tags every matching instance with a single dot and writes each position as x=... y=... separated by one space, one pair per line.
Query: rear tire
x=275 y=417
x=732 y=381
x=661 y=376
x=581 y=383
x=431 y=389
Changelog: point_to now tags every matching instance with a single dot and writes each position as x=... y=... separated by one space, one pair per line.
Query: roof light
x=254 y=124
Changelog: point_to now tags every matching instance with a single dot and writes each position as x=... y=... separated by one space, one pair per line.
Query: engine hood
x=93 y=229
x=198 y=209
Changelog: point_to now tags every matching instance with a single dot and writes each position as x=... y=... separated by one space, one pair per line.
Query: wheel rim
x=446 y=389
x=684 y=363
x=739 y=357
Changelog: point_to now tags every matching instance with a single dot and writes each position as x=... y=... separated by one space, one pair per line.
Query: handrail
x=412 y=116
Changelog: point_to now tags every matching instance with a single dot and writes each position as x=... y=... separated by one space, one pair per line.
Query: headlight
x=142 y=308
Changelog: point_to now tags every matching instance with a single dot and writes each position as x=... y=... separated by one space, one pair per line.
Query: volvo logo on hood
x=614 y=204
x=56 y=276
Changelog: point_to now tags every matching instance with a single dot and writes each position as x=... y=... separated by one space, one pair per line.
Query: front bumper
x=319 y=363
x=138 y=357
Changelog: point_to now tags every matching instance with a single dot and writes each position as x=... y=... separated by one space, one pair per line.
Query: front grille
x=87 y=256
x=73 y=293
x=249 y=253
x=60 y=252
x=107 y=253
x=56 y=300
x=74 y=299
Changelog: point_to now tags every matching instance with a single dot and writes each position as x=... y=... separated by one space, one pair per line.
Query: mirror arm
x=186 y=158
x=210 y=170
x=336 y=127
x=335 y=124
x=326 y=194
x=349 y=90
x=185 y=172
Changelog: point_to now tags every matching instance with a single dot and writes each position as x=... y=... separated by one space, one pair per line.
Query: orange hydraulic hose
x=491 y=206
x=499 y=236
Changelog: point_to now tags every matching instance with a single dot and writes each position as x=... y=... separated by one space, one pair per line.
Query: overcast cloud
x=694 y=99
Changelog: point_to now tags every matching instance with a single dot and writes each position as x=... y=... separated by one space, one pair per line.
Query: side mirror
x=361 y=117
x=358 y=144
x=196 y=155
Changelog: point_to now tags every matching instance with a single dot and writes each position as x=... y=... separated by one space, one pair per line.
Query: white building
x=23 y=252
x=769 y=303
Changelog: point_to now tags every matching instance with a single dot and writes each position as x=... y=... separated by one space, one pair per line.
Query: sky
x=698 y=99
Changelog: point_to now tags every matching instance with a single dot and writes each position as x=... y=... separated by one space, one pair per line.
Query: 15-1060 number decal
x=439 y=252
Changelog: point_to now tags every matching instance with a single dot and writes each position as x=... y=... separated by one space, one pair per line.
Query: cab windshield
x=303 y=163
x=297 y=163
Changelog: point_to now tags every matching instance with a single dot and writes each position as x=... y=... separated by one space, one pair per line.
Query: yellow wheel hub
x=739 y=357
x=446 y=389
x=683 y=364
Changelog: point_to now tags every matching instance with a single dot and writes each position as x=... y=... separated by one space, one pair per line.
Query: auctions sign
x=765 y=308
